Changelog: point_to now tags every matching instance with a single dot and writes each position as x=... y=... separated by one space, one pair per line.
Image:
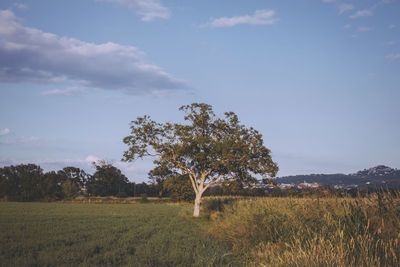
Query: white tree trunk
x=197 y=203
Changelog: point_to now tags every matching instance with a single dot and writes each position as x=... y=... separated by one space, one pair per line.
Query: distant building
x=286 y=186
x=308 y=185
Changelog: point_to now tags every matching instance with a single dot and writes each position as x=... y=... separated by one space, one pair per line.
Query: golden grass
x=309 y=232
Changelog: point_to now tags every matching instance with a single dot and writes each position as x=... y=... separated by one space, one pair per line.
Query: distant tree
x=137 y=189
x=232 y=188
x=73 y=181
x=179 y=188
x=158 y=176
x=70 y=189
x=22 y=182
x=206 y=150
x=5 y=183
x=51 y=185
x=76 y=175
x=107 y=180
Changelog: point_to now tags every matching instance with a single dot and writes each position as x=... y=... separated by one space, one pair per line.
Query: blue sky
x=320 y=79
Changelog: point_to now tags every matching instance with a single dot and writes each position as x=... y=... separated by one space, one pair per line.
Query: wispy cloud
x=347 y=26
x=345 y=7
x=361 y=13
x=369 y=11
x=69 y=91
x=31 y=55
x=390 y=43
x=20 y=6
x=393 y=57
x=5 y=131
x=9 y=138
x=342 y=7
x=364 y=29
x=21 y=140
x=392 y=26
x=149 y=10
x=260 y=17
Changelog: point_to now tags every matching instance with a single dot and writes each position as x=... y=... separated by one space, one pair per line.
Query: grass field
x=231 y=232
x=309 y=232
x=59 y=234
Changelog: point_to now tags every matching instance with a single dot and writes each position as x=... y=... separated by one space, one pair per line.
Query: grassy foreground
x=309 y=232
x=57 y=234
x=258 y=231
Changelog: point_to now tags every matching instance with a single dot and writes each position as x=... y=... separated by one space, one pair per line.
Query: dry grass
x=309 y=232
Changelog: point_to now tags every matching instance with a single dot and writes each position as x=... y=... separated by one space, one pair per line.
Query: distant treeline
x=28 y=182
x=322 y=191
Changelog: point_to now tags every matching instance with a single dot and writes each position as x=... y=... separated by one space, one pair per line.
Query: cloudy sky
x=320 y=79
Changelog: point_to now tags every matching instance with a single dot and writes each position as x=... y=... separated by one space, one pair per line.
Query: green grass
x=59 y=234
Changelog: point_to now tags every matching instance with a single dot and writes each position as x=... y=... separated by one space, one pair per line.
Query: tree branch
x=213 y=181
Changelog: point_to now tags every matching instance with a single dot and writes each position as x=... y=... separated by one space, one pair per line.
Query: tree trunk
x=197 y=203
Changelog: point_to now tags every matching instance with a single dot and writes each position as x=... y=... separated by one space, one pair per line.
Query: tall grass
x=310 y=232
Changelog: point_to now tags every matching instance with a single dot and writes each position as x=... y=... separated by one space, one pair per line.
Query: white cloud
x=328 y=1
x=364 y=29
x=91 y=158
x=69 y=91
x=31 y=55
x=260 y=17
x=393 y=57
x=392 y=26
x=344 y=8
x=361 y=13
x=347 y=26
x=5 y=131
x=149 y=10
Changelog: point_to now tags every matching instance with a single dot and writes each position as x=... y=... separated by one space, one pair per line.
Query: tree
x=76 y=175
x=51 y=185
x=158 y=176
x=21 y=182
x=179 y=188
x=69 y=189
x=206 y=149
x=73 y=181
x=107 y=180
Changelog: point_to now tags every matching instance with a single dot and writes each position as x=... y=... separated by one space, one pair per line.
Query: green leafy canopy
x=207 y=148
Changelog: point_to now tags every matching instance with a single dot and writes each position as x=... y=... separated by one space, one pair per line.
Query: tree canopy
x=107 y=180
x=206 y=149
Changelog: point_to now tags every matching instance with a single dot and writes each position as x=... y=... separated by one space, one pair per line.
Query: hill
x=379 y=176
